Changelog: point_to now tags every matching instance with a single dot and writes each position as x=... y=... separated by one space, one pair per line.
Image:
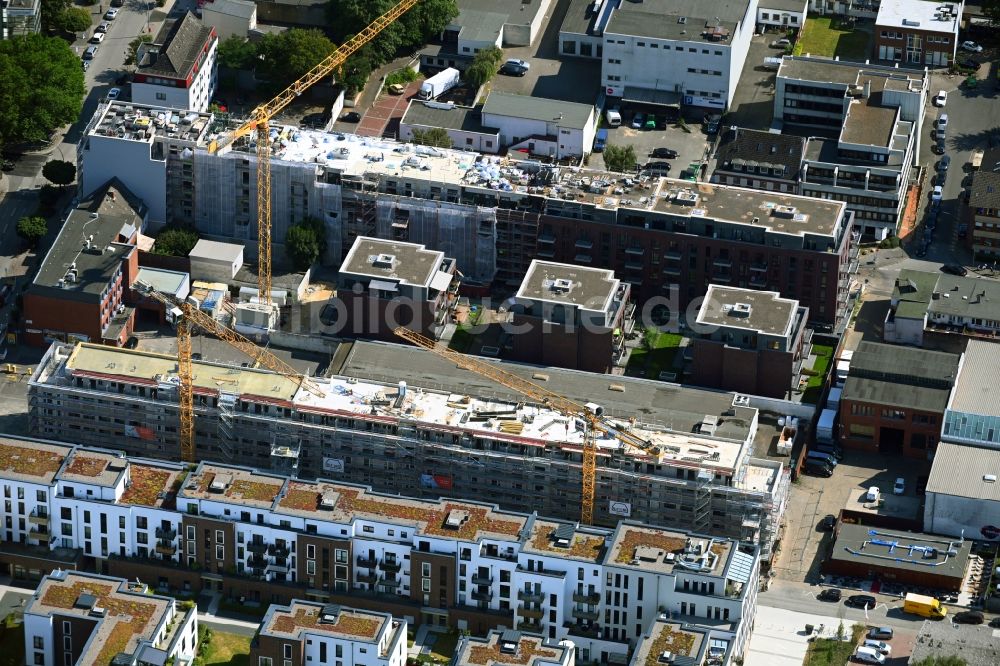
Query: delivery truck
x=825 y=426
x=924 y=606
x=440 y=83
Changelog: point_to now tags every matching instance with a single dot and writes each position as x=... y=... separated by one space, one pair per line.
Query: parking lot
x=692 y=145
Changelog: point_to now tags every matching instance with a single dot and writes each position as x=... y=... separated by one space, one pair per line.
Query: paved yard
x=691 y=146
x=382 y=119
x=753 y=103
x=829 y=36
x=779 y=637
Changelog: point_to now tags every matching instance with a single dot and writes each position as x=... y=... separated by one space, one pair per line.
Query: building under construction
x=432 y=430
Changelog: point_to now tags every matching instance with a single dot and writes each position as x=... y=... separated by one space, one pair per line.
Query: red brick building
x=894 y=399
x=917 y=32
x=82 y=285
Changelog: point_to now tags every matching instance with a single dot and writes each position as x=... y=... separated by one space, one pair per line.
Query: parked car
x=111 y=14
x=899 y=487
x=114 y=93
x=664 y=153
x=828 y=523
x=351 y=117
x=880 y=633
x=873 y=494
x=954 y=269
x=89 y=53
x=638 y=119
x=861 y=601
x=829 y=594
x=650 y=123
x=97 y=38
x=937 y=194
x=995 y=622
x=941 y=98
x=817 y=468
x=509 y=69
x=881 y=646
x=782 y=43
x=969 y=63
x=938 y=147
x=656 y=166
x=397 y=89
x=103 y=27
x=944 y=163
x=867 y=655
x=517 y=62
x=972 y=47
x=968 y=617
x=712 y=123
x=942 y=122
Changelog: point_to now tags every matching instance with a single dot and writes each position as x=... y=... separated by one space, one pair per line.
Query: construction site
x=432 y=430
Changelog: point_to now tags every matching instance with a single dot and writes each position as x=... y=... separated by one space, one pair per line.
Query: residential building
x=972 y=417
x=984 y=205
x=917 y=32
x=230 y=18
x=571 y=317
x=672 y=53
x=513 y=648
x=685 y=643
x=758 y=159
x=482 y=24
x=492 y=216
x=872 y=120
x=266 y=538
x=462 y=123
x=81 y=288
x=178 y=69
x=784 y=14
x=80 y=619
x=940 y=311
x=547 y=127
x=384 y=284
x=962 y=497
x=464 y=435
x=20 y=17
x=894 y=399
x=306 y=631
x=749 y=341
x=906 y=558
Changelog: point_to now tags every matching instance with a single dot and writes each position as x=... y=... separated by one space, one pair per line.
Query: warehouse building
x=265 y=538
x=963 y=495
x=407 y=421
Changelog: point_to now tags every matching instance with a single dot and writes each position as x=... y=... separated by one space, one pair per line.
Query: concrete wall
x=951 y=515
x=101 y=158
x=228 y=25
x=481 y=143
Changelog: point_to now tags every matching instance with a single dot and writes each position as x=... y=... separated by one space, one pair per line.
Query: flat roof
x=673 y=637
x=406 y=263
x=912 y=293
x=761 y=311
x=31 y=460
x=162 y=280
x=129 y=121
x=464 y=118
x=967 y=297
x=240 y=8
x=111 y=217
x=776 y=211
x=959 y=470
x=480 y=25
x=130 y=615
x=216 y=251
x=94 y=467
x=564 y=114
x=568 y=284
x=923 y=15
x=510 y=648
x=304 y=617
x=899 y=376
x=976 y=385
x=845 y=72
x=566 y=540
x=878 y=547
x=661 y=19
x=784 y=5
x=236 y=485
x=651 y=549
x=578 y=19
x=869 y=123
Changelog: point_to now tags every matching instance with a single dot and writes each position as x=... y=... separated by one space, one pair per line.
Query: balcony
x=366 y=562
x=390 y=582
x=530 y=612
x=278 y=566
x=37 y=517
x=526 y=595
x=39 y=532
x=533 y=627
x=582 y=614
x=587 y=630
x=480 y=579
x=369 y=578
x=257 y=561
x=482 y=594
x=758 y=280
x=635 y=251
x=546 y=238
x=166 y=547
x=167 y=533
x=633 y=265
x=722 y=262
x=392 y=566
x=584 y=244
x=591 y=598
x=279 y=551
x=257 y=547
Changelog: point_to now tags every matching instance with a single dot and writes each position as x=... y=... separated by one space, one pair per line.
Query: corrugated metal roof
x=740 y=567
x=959 y=469
x=976 y=386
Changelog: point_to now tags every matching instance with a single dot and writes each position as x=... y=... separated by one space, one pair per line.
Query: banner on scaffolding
x=140 y=432
x=436 y=481
x=623 y=509
x=334 y=465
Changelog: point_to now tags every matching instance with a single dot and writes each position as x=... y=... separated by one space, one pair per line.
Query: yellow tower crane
x=190 y=316
x=591 y=414
x=259 y=123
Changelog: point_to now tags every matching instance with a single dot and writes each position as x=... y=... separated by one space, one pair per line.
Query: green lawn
x=228 y=649
x=11 y=643
x=444 y=647
x=831 y=652
x=824 y=356
x=659 y=358
x=823 y=36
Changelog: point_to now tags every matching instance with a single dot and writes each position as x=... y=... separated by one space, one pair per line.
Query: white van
x=868 y=655
x=873 y=494
x=613 y=116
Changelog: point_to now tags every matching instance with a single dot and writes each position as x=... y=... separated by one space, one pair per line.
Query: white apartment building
x=81 y=619
x=178 y=69
x=260 y=536
x=670 y=52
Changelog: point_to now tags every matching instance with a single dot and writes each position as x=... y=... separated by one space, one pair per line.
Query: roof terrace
x=35 y=462
x=652 y=549
x=302 y=617
x=237 y=485
x=566 y=541
x=94 y=467
x=510 y=648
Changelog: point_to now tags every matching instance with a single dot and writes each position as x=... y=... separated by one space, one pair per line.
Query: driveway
x=382 y=119
x=691 y=146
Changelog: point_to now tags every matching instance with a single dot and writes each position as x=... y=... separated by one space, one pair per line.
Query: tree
x=41 y=87
x=483 y=66
x=412 y=30
x=305 y=242
x=354 y=73
x=175 y=242
x=435 y=136
x=132 y=50
x=51 y=9
x=32 y=229
x=72 y=19
x=649 y=337
x=238 y=53
x=991 y=10
x=59 y=172
x=288 y=55
x=933 y=660
x=619 y=158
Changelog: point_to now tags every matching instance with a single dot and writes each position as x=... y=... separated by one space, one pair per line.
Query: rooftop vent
x=741 y=310
x=509 y=641
x=97 y=611
x=220 y=482
x=787 y=212
x=85 y=601
x=329 y=614
x=685 y=197
x=990 y=478
x=666 y=657
x=456 y=518
x=740 y=400
x=562 y=285
x=383 y=260
x=708 y=425
x=682 y=20
x=328 y=501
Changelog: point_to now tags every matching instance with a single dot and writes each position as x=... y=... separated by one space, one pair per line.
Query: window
x=190 y=532
x=265 y=661
x=368 y=529
x=341 y=555
x=220 y=536
x=67 y=629
x=287 y=650
x=39 y=643
x=311 y=551
x=220 y=552
x=310 y=567
x=163 y=96
x=425 y=569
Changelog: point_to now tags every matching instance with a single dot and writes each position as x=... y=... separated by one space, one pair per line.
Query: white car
x=881 y=646
x=114 y=93
x=97 y=38
x=873 y=494
x=899 y=487
x=972 y=46
x=517 y=62
x=941 y=98
x=103 y=27
x=111 y=14
x=936 y=194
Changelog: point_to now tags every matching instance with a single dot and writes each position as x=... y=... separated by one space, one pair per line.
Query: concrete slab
x=898 y=506
x=780 y=639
